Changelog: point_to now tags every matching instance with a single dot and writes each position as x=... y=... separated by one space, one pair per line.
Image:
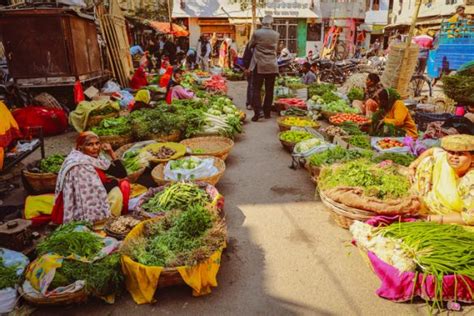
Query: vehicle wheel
x=419 y=85
x=327 y=76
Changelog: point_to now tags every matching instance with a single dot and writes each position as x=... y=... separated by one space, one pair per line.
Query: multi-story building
x=376 y=19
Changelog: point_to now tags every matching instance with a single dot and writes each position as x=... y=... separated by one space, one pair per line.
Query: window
x=288 y=33
x=451 y=1
x=314 y=32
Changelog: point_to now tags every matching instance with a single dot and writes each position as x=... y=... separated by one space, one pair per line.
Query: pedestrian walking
x=204 y=51
x=264 y=66
x=247 y=59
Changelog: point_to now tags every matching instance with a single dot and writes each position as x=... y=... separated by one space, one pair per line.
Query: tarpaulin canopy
x=164 y=27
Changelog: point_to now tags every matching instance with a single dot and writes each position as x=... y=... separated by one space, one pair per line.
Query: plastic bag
x=317 y=148
x=400 y=150
x=126 y=99
x=110 y=87
x=53 y=121
x=8 y=296
x=204 y=169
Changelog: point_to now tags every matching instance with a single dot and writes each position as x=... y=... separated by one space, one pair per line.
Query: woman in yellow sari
x=444 y=178
x=9 y=131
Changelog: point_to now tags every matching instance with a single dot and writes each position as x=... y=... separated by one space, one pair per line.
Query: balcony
x=376 y=17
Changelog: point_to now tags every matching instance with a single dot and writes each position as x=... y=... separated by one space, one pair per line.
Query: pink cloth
x=178 y=92
x=398 y=286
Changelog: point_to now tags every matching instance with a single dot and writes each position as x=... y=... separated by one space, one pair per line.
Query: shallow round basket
x=327 y=114
x=284 y=127
x=172 y=137
x=132 y=177
x=178 y=147
x=343 y=215
x=216 y=146
x=60 y=299
x=40 y=182
x=158 y=173
x=116 y=141
x=289 y=146
x=115 y=235
x=96 y=119
x=313 y=171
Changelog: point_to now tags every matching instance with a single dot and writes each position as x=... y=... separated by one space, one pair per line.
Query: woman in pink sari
x=175 y=90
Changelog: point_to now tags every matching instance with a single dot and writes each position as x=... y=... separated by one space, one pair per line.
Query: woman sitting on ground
x=393 y=111
x=444 y=178
x=175 y=90
x=372 y=88
x=85 y=189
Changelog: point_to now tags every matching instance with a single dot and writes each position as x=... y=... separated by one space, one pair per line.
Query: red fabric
x=78 y=92
x=165 y=79
x=53 y=121
x=168 y=96
x=139 y=79
x=57 y=214
x=10 y=135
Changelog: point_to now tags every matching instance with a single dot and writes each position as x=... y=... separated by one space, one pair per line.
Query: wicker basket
x=158 y=173
x=283 y=127
x=216 y=146
x=117 y=141
x=327 y=114
x=172 y=137
x=60 y=299
x=118 y=236
x=96 y=119
x=343 y=215
x=40 y=182
x=132 y=177
x=180 y=151
x=288 y=145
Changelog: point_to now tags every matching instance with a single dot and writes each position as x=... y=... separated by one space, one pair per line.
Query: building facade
x=295 y=20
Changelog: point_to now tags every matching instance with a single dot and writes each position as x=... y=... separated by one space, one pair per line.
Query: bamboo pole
x=410 y=33
x=254 y=17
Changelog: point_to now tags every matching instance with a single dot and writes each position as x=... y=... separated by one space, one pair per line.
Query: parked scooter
x=287 y=63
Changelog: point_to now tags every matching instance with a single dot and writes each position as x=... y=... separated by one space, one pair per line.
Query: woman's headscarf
x=165 y=79
x=83 y=138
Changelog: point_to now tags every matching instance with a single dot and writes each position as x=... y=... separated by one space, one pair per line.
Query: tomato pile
x=216 y=83
x=292 y=102
x=345 y=117
x=388 y=143
x=201 y=73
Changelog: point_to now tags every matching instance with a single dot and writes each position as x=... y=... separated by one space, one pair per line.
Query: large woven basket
x=327 y=114
x=172 y=137
x=284 y=127
x=343 y=215
x=180 y=151
x=60 y=299
x=117 y=141
x=96 y=119
x=158 y=173
x=216 y=146
x=39 y=182
x=132 y=177
x=289 y=146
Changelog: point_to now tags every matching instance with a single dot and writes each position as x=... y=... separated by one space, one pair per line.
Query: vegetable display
x=295 y=136
x=298 y=121
x=332 y=130
x=319 y=89
x=103 y=111
x=388 y=143
x=122 y=224
x=375 y=181
x=180 y=237
x=135 y=160
x=294 y=111
x=51 y=164
x=337 y=154
x=176 y=197
x=344 y=117
x=293 y=102
x=339 y=106
x=351 y=128
x=361 y=141
x=400 y=159
x=113 y=126
x=356 y=93
x=216 y=84
x=305 y=146
x=8 y=275
x=66 y=240
x=188 y=163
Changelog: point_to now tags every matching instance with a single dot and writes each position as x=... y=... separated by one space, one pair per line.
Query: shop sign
x=285 y=9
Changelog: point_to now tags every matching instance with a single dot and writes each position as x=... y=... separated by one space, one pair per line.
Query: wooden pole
x=411 y=32
x=170 y=10
x=254 y=17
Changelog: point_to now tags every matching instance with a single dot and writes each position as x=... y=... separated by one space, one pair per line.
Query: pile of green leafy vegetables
x=8 y=275
x=338 y=154
x=356 y=93
x=383 y=183
x=180 y=237
x=398 y=158
x=360 y=141
x=176 y=196
x=113 y=126
x=320 y=89
x=51 y=164
x=103 y=111
x=102 y=277
x=351 y=128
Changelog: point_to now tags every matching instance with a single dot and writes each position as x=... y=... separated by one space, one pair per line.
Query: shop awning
x=395 y=25
x=164 y=27
x=238 y=21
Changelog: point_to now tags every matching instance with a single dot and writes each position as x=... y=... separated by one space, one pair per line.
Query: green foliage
x=379 y=182
x=52 y=163
x=360 y=141
x=400 y=159
x=176 y=197
x=351 y=128
x=356 y=94
x=113 y=126
x=338 y=155
x=320 y=89
x=8 y=275
x=459 y=88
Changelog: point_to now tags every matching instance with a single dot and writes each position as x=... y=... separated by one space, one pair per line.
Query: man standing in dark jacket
x=247 y=59
x=264 y=66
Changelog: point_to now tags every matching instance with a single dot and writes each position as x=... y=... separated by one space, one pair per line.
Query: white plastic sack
x=7 y=300
x=126 y=99
x=110 y=87
x=312 y=150
x=205 y=169
x=398 y=150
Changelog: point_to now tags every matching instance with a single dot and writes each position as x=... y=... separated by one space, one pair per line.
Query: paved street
x=285 y=255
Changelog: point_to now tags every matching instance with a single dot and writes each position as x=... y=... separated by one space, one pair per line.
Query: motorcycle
x=287 y=63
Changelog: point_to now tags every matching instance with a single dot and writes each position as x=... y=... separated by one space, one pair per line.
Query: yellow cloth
x=142 y=281
x=143 y=96
x=115 y=198
x=399 y=116
x=36 y=205
x=43 y=268
x=7 y=122
x=79 y=117
x=443 y=192
x=454 y=18
x=137 y=190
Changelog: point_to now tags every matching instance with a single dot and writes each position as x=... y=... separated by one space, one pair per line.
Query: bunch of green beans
x=438 y=250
